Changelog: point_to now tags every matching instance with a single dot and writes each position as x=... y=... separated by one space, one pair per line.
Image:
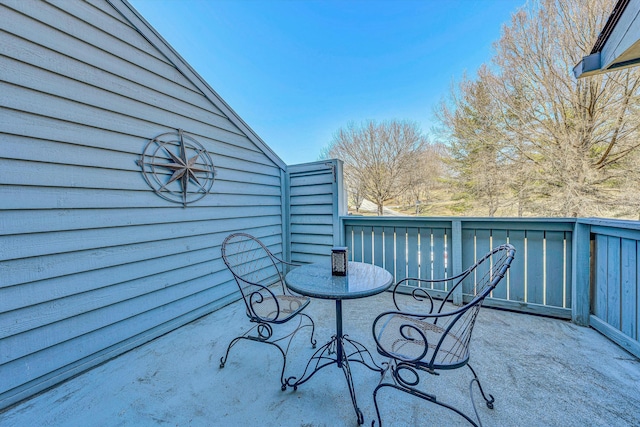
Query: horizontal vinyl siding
x=104 y=83
x=313 y=210
x=92 y=261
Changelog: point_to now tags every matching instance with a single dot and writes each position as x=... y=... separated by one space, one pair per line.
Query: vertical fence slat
x=389 y=251
x=357 y=244
x=348 y=241
x=569 y=267
x=425 y=253
x=517 y=269
x=457 y=252
x=483 y=245
x=401 y=253
x=535 y=267
x=378 y=247
x=498 y=238
x=600 y=292
x=441 y=254
x=367 y=252
x=613 y=282
x=629 y=284
x=555 y=267
x=468 y=256
x=412 y=255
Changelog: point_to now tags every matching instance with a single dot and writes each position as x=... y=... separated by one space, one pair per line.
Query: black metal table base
x=340 y=350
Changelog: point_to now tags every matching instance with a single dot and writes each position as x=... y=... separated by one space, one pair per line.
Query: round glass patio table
x=316 y=281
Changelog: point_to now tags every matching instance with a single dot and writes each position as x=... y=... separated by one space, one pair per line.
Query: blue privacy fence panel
x=539 y=280
x=615 y=294
x=404 y=249
x=597 y=268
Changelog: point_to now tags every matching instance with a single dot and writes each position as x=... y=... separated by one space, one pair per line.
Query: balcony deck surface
x=541 y=371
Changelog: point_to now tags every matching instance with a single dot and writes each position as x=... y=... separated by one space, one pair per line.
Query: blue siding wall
x=92 y=262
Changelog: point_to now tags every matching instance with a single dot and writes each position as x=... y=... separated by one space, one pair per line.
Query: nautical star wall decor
x=177 y=167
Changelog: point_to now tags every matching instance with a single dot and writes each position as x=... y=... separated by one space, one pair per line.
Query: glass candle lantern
x=339 y=261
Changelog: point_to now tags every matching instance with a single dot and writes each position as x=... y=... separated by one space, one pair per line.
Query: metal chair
x=418 y=341
x=260 y=276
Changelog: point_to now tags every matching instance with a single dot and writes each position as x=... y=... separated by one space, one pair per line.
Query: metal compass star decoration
x=177 y=167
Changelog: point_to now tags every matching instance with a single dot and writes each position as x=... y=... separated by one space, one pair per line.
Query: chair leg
x=489 y=401
x=375 y=401
x=264 y=333
x=223 y=360
x=313 y=329
x=410 y=387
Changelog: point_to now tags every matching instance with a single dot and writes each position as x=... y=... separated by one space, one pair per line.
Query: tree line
x=521 y=138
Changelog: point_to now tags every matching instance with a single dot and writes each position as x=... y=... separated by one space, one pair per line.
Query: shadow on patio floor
x=542 y=372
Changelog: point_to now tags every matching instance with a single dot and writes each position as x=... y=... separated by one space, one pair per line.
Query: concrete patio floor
x=541 y=371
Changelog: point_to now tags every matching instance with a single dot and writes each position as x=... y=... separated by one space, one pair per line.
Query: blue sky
x=297 y=71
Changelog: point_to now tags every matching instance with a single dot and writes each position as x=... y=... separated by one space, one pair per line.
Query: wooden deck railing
x=614 y=293
x=586 y=270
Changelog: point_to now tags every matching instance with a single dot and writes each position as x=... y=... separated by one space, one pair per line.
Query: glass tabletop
x=315 y=280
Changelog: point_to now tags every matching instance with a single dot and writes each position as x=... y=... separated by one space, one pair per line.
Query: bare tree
x=377 y=156
x=423 y=180
x=568 y=147
x=355 y=190
x=576 y=135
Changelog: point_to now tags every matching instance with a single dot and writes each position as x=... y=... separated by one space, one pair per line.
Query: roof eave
x=593 y=64
x=589 y=66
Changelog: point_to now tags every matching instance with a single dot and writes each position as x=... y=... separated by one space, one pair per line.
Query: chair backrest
x=254 y=268
x=440 y=340
x=482 y=277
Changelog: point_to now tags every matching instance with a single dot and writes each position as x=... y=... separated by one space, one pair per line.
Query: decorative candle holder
x=339 y=261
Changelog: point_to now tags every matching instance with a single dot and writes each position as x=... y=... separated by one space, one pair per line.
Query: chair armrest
x=418 y=294
x=293 y=264
x=282 y=271
x=275 y=258
x=386 y=335
x=262 y=303
x=284 y=263
x=418 y=338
